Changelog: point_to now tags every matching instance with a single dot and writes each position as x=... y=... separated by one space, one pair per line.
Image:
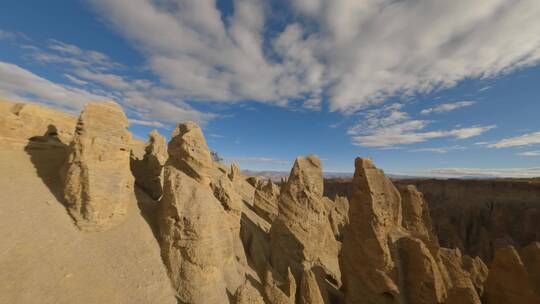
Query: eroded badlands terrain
x=89 y=215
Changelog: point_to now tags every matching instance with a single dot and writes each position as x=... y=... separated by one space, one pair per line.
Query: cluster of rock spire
x=226 y=238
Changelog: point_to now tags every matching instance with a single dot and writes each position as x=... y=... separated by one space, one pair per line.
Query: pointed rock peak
x=508 y=280
x=236 y=172
x=306 y=174
x=309 y=289
x=188 y=151
x=157 y=146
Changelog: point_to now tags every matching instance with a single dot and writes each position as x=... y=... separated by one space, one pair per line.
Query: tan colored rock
x=241 y=185
x=338 y=211
x=422 y=280
x=508 y=280
x=276 y=293
x=301 y=236
x=188 y=152
x=416 y=217
x=199 y=239
x=148 y=171
x=265 y=201
x=254 y=181
x=247 y=294
x=530 y=255
x=460 y=286
x=369 y=272
x=310 y=292
x=97 y=180
x=478 y=272
x=22 y=121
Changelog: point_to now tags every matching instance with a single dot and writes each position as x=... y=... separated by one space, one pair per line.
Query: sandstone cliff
x=227 y=238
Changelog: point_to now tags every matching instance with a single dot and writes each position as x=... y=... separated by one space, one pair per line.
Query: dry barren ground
x=44 y=258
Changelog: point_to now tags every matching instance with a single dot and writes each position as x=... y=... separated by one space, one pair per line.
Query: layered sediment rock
x=301 y=236
x=198 y=237
x=97 y=181
x=148 y=171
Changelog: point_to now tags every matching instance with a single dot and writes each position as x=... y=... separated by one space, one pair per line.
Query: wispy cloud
x=146 y=123
x=258 y=159
x=355 y=53
x=439 y=149
x=529 y=153
x=522 y=140
x=390 y=126
x=478 y=172
x=447 y=107
x=19 y=83
x=144 y=100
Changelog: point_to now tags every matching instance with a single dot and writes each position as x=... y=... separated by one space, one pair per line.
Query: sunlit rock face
x=97 y=180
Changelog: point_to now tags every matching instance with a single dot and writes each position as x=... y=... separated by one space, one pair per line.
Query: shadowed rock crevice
x=48 y=154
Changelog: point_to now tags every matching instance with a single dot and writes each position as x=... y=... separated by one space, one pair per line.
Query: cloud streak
x=19 y=83
x=390 y=126
x=352 y=53
x=447 y=107
x=522 y=140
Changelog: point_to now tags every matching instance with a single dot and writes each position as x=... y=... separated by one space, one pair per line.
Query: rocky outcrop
x=301 y=236
x=375 y=217
x=310 y=292
x=478 y=272
x=198 y=237
x=23 y=121
x=422 y=280
x=530 y=255
x=390 y=254
x=148 y=171
x=97 y=180
x=338 y=211
x=460 y=286
x=247 y=294
x=276 y=292
x=189 y=153
x=265 y=200
x=508 y=280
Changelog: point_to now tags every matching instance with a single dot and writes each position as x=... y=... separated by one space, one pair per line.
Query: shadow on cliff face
x=48 y=154
x=148 y=209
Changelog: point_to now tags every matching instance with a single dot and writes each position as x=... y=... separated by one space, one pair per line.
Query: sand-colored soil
x=44 y=258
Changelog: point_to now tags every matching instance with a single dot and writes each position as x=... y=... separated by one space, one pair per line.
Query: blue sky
x=438 y=88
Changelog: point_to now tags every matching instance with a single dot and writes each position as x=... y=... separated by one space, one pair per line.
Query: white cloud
x=76 y=80
x=109 y=80
x=258 y=160
x=389 y=127
x=18 y=83
x=529 y=153
x=6 y=35
x=447 y=107
x=477 y=172
x=354 y=52
x=146 y=123
x=439 y=149
x=523 y=140
x=144 y=100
